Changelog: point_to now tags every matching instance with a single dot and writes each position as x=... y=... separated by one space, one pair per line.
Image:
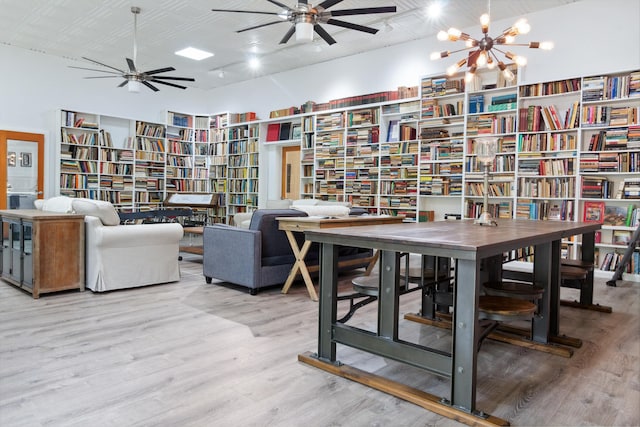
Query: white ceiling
x=103 y=30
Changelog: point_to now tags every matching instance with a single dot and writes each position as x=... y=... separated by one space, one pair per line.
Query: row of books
x=546 y=142
x=612 y=259
x=598 y=88
x=545 y=210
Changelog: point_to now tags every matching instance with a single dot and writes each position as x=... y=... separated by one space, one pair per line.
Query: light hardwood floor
x=192 y=354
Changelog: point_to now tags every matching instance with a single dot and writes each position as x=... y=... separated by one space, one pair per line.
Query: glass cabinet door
x=27 y=252
x=14 y=250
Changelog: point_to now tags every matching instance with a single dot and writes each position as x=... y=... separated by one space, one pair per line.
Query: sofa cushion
x=60 y=204
x=279 y=204
x=304 y=202
x=323 y=210
x=98 y=208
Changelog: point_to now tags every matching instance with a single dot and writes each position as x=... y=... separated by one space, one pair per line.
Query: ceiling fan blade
x=351 y=26
x=102 y=77
x=244 y=11
x=184 y=79
x=124 y=83
x=132 y=65
x=104 y=65
x=363 y=11
x=328 y=3
x=259 y=26
x=167 y=83
x=95 y=69
x=302 y=1
x=284 y=6
x=149 y=85
x=322 y=33
x=159 y=70
x=287 y=36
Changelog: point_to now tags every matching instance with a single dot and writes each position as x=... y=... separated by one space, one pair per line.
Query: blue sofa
x=260 y=256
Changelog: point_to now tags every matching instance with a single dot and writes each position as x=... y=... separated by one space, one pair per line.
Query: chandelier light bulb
x=442 y=35
x=454 y=34
x=509 y=39
x=482 y=59
x=491 y=64
x=470 y=43
x=522 y=26
x=484 y=22
x=438 y=55
x=546 y=45
x=470 y=74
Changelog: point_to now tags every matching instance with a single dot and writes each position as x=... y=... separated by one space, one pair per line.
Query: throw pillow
x=98 y=208
x=60 y=204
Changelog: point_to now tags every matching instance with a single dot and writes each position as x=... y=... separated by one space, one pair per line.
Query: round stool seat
x=366 y=285
x=505 y=308
x=576 y=263
x=520 y=290
x=572 y=273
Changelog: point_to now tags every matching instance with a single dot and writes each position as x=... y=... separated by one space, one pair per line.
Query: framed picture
x=621 y=237
x=615 y=215
x=25 y=160
x=593 y=212
x=11 y=159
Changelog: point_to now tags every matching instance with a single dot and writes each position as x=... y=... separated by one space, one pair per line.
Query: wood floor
x=192 y=354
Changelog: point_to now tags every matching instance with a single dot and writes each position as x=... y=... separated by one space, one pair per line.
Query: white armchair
x=122 y=256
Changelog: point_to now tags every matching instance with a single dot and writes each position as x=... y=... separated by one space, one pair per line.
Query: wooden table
x=198 y=250
x=292 y=225
x=468 y=243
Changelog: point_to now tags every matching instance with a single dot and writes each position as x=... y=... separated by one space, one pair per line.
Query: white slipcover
x=122 y=256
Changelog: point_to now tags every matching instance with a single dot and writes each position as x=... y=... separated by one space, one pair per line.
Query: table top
x=303 y=223
x=37 y=214
x=462 y=239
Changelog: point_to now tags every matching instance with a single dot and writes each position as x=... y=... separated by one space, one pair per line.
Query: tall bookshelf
x=218 y=159
x=307 y=156
x=149 y=165
x=329 y=156
x=361 y=158
x=242 y=167
x=442 y=145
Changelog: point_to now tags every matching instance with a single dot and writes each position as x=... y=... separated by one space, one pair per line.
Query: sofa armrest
x=232 y=254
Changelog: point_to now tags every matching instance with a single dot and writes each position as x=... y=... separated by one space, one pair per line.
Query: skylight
x=193 y=53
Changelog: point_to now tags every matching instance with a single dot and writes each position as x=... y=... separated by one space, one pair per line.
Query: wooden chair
x=521 y=290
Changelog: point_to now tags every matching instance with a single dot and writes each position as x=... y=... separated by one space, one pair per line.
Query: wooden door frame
x=283 y=165
x=5 y=136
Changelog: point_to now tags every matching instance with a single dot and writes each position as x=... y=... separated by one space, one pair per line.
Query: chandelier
x=483 y=50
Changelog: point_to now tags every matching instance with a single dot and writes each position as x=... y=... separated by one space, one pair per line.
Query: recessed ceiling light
x=193 y=53
x=434 y=10
x=254 y=63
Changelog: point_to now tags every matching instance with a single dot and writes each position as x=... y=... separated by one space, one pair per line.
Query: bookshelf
x=307 y=157
x=362 y=158
x=218 y=154
x=149 y=165
x=609 y=153
x=242 y=167
x=330 y=156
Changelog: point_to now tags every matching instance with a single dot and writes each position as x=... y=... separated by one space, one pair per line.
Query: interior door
x=22 y=171
x=290 y=173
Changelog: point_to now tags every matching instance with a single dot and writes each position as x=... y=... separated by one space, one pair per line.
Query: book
x=285 y=131
x=621 y=237
x=614 y=215
x=593 y=212
x=273 y=132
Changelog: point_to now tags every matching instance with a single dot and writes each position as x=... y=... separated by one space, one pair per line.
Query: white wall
x=591 y=37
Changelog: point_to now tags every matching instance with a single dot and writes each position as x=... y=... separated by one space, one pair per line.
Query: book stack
x=502 y=102
x=595 y=187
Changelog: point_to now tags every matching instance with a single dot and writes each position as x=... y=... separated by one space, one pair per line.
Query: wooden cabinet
x=42 y=251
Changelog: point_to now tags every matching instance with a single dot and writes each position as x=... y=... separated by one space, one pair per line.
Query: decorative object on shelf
x=133 y=78
x=307 y=18
x=485 y=47
x=485 y=149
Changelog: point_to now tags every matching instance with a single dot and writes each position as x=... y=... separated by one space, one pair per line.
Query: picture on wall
x=25 y=160
x=11 y=159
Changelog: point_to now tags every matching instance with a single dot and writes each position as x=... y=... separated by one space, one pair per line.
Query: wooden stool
x=576 y=263
x=520 y=290
x=504 y=309
x=495 y=309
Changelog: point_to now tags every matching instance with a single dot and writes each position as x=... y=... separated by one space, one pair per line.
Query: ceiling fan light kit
x=306 y=19
x=133 y=78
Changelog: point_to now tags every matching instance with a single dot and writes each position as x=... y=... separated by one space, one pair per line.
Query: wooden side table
x=42 y=251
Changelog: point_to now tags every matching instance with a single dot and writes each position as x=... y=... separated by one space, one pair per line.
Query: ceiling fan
x=307 y=18
x=133 y=78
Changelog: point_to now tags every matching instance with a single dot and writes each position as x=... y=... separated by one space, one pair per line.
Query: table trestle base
x=418 y=397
